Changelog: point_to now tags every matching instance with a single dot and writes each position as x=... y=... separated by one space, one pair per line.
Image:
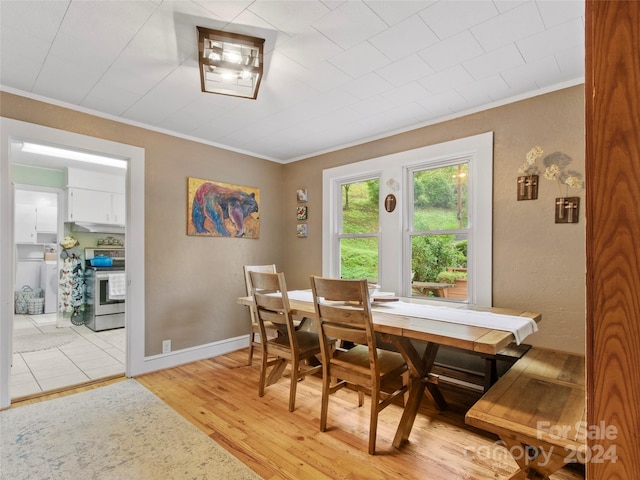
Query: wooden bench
x=538 y=409
x=424 y=288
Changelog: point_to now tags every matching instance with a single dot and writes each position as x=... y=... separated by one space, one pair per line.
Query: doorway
x=52 y=349
x=15 y=131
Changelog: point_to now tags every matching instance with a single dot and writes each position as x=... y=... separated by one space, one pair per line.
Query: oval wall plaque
x=390 y=203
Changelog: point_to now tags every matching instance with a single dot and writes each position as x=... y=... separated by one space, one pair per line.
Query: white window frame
x=393 y=171
x=410 y=232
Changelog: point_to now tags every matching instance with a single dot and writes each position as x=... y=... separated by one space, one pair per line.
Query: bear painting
x=222 y=210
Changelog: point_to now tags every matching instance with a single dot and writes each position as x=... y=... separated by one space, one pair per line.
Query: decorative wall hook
x=390 y=203
x=567 y=209
x=528 y=187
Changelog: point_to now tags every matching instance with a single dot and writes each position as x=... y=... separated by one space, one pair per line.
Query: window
x=358 y=235
x=440 y=229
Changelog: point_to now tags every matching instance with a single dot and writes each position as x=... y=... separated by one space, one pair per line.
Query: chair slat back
x=271 y=301
x=270 y=268
x=343 y=310
x=349 y=334
x=338 y=289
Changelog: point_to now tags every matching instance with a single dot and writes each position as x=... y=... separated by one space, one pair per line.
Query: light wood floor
x=219 y=396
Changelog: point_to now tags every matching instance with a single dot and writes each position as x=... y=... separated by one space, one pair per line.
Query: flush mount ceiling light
x=230 y=63
x=57 y=152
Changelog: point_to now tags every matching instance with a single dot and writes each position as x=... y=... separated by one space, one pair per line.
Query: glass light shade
x=230 y=63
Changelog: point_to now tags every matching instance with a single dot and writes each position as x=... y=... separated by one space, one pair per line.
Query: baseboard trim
x=193 y=354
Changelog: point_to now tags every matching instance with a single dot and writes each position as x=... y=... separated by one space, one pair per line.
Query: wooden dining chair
x=294 y=347
x=254 y=332
x=343 y=311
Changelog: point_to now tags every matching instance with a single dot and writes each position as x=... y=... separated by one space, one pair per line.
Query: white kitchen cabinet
x=95 y=197
x=92 y=180
x=25 y=224
x=36 y=212
x=47 y=219
x=119 y=208
x=88 y=206
x=94 y=206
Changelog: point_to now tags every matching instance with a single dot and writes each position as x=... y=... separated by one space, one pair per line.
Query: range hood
x=97 y=228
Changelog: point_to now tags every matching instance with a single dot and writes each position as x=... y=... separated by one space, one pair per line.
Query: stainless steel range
x=105 y=299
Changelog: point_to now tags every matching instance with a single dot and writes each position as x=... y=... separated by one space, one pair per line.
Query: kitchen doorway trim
x=134 y=240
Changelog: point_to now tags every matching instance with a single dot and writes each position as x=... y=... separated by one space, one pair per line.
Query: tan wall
x=191 y=282
x=537 y=265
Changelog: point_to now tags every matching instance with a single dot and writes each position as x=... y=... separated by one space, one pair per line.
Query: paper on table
x=300 y=295
x=521 y=327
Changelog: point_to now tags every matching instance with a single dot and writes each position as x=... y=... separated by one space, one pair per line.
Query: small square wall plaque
x=528 y=187
x=567 y=209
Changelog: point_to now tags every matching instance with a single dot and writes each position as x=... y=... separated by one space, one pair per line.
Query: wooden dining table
x=402 y=330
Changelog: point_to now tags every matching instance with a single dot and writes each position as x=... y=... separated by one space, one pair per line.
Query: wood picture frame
x=216 y=209
x=302 y=195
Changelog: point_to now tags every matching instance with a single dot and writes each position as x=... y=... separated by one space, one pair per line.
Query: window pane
x=439 y=259
x=440 y=198
x=359 y=258
x=360 y=207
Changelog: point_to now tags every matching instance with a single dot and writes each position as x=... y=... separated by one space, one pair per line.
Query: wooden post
x=612 y=166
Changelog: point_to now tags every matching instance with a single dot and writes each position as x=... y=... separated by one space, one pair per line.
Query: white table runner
x=520 y=327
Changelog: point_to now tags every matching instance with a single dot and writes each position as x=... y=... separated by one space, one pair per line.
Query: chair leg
x=252 y=339
x=373 y=422
x=295 y=376
x=263 y=371
x=360 y=398
x=326 y=385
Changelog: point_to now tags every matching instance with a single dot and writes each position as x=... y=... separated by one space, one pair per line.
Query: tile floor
x=90 y=356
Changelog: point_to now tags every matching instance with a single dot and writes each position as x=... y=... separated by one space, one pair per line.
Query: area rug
x=118 y=432
x=34 y=342
x=44 y=319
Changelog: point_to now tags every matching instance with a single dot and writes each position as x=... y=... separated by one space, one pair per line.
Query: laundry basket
x=22 y=296
x=21 y=305
x=35 y=306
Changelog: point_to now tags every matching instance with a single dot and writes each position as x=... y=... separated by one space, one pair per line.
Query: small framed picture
x=302 y=230
x=301 y=194
x=301 y=213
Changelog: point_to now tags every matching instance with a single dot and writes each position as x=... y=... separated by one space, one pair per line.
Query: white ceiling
x=338 y=72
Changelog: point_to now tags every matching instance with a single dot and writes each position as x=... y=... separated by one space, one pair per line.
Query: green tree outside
x=440 y=199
